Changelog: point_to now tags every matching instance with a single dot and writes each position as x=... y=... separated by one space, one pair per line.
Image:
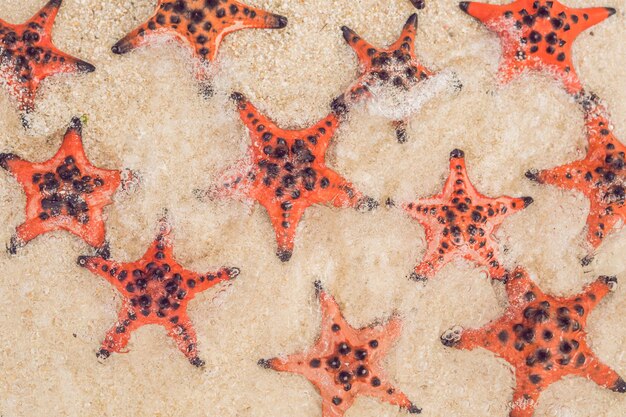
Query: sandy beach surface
x=143 y=112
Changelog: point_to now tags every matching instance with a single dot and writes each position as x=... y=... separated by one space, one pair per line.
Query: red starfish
x=537 y=35
x=287 y=173
x=461 y=222
x=396 y=66
x=345 y=362
x=27 y=55
x=201 y=24
x=64 y=193
x=601 y=177
x=543 y=337
x=156 y=290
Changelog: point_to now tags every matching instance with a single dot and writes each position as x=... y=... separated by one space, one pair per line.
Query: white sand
x=144 y=114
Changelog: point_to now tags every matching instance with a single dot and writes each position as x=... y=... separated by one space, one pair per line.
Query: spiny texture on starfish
x=286 y=173
x=201 y=24
x=345 y=362
x=461 y=222
x=27 y=56
x=543 y=337
x=601 y=177
x=64 y=193
x=537 y=35
x=396 y=66
x=156 y=290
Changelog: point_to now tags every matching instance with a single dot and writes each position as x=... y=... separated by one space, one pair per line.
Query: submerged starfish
x=601 y=177
x=200 y=24
x=345 y=362
x=543 y=337
x=537 y=35
x=286 y=173
x=461 y=222
x=156 y=290
x=64 y=193
x=27 y=56
x=396 y=66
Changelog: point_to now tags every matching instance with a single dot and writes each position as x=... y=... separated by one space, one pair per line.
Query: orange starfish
x=156 y=290
x=345 y=362
x=27 y=56
x=64 y=193
x=200 y=24
x=601 y=177
x=537 y=35
x=461 y=222
x=395 y=66
x=287 y=173
x=543 y=337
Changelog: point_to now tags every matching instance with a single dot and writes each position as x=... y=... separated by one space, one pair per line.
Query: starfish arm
x=362 y=48
x=458 y=178
x=46 y=16
x=93 y=232
x=284 y=227
x=338 y=191
x=20 y=169
x=331 y=316
x=138 y=36
x=118 y=336
x=569 y=176
x=236 y=181
x=482 y=11
x=432 y=262
x=255 y=121
x=593 y=293
x=107 y=269
x=60 y=62
x=385 y=335
x=506 y=206
x=525 y=397
x=407 y=36
x=603 y=375
x=184 y=336
x=329 y=409
x=600 y=222
x=213 y=278
x=248 y=17
x=321 y=134
x=386 y=392
x=298 y=363
x=517 y=284
x=32 y=228
x=589 y=17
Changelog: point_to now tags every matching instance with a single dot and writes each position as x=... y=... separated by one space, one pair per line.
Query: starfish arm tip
x=84 y=66
x=76 y=125
x=197 y=362
x=452 y=337
x=412 y=21
x=533 y=175
x=609 y=281
x=367 y=204
x=238 y=97
x=457 y=153
x=464 y=5
x=348 y=34
x=265 y=363
x=319 y=288
x=619 y=386
x=280 y=22
x=5 y=158
x=414 y=276
x=233 y=272
x=611 y=11
x=103 y=354
x=413 y=409
x=339 y=106
x=528 y=201
x=419 y=4
x=284 y=255
x=121 y=47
